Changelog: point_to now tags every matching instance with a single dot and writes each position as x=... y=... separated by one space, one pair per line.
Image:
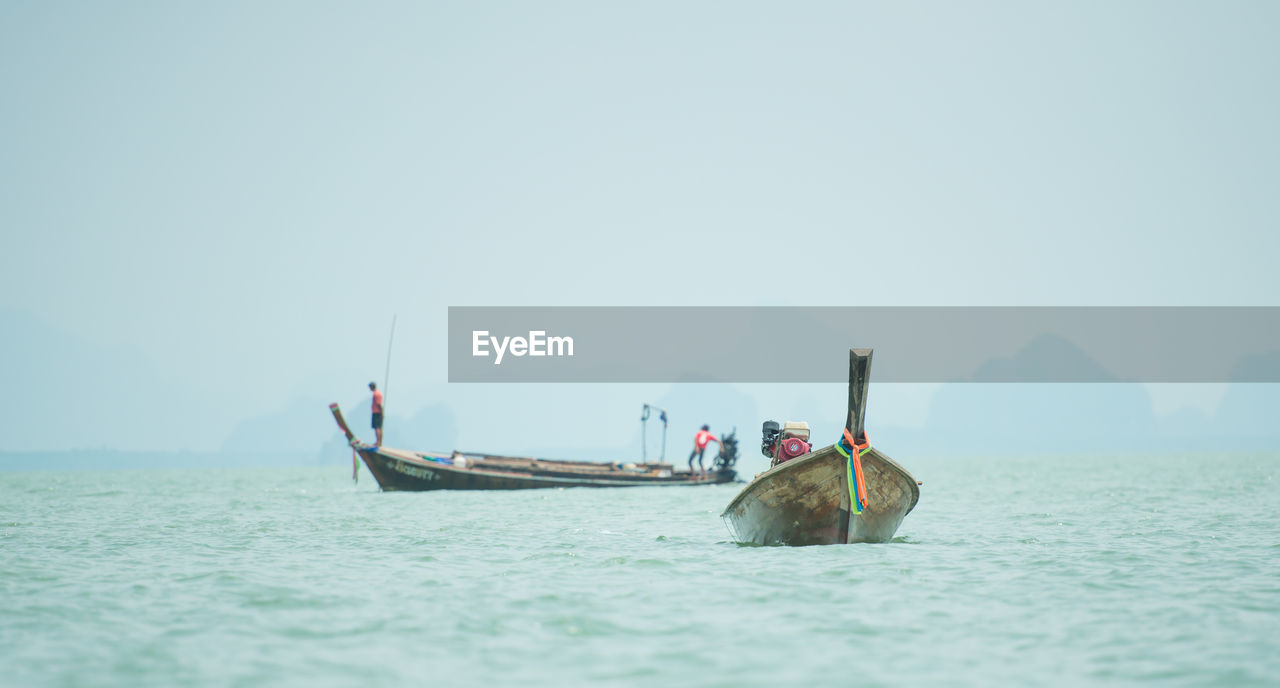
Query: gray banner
x=912 y=344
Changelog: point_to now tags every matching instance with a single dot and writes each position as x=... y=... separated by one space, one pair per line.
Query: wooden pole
x=859 y=380
x=342 y=424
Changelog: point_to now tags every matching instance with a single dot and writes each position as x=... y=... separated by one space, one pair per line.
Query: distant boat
x=400 y=470
x=825 y=496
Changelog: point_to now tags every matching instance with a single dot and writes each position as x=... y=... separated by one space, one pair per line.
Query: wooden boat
x=814 y=499
x=397 y=469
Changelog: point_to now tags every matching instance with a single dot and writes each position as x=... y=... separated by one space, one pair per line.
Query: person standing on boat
x=700 y=442
x=377 y=411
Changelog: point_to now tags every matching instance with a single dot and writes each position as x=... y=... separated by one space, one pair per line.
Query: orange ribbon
x=855 y=456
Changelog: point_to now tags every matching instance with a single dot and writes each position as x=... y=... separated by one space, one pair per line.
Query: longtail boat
x=401 y=470
x=842 y=493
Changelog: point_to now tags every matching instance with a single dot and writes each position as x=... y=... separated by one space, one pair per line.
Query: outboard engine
x=728 y=453
x=770 y=433
x=785 y=443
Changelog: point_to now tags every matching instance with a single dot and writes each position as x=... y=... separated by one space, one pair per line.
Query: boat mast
x=859 y=380
x=386 y=377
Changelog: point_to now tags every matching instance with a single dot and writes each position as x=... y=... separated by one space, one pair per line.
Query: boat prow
x=846 y=492
x=806 y=501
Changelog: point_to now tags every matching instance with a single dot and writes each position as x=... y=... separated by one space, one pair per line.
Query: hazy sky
x=245 y=193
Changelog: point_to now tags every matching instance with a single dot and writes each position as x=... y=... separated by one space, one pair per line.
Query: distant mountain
x=1264 y=366
x=1040 y=417
x=1247 y=412
x=1046 y=357
x=108 y=459
x=1068 y=418
x=302 y=426
x=63 y=392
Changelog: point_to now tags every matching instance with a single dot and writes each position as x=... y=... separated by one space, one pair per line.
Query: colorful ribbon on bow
x=853 y=451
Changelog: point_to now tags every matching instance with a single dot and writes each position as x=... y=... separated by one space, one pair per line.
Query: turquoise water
x=1047 y=571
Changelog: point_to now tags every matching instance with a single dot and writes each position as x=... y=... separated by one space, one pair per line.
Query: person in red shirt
x=377 y=411
x=700 y=442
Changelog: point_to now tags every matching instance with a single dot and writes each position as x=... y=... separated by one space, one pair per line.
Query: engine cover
x=791 y=447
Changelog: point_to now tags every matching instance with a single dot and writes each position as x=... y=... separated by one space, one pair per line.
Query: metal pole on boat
x=664 y=438
x=386 y=377
x=644 y=418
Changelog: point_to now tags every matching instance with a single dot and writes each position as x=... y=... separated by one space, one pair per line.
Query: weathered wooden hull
x=806 y=501
x=397 y=470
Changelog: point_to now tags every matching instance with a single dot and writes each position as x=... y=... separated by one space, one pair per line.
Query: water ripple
x=1013 y=572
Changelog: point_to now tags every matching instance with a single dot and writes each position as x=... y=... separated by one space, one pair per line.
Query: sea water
x=1103 y=570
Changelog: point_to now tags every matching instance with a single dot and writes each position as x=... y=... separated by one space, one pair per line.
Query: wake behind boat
x=398 y=469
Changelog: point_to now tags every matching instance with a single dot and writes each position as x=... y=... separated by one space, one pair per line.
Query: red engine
x=786 y=442
x=791 y=447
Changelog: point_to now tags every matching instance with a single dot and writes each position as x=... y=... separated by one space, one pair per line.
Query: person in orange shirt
x=700 y=442
x=377 y=411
